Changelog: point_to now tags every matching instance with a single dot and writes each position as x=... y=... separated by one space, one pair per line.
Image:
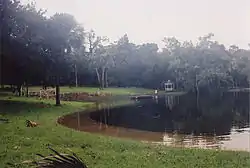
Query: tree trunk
x=98 y=77
x=177 y=81
x=58 y=103
x=27 y=89
x=233 y=83
x=197 y=97
x=197 y=92
x=1 y=67
x=76 y=78
x=2 y=34
x=106 y=78
x=103 y=76
x=19 y=89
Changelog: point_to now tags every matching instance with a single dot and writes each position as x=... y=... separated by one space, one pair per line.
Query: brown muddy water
x=210 y=121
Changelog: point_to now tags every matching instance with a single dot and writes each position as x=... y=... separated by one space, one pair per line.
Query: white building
x=168 y=86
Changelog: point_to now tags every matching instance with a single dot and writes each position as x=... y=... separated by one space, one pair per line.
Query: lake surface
x=219 y=120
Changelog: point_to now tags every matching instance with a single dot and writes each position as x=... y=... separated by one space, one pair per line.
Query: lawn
x=19 y=143
x=114 y=91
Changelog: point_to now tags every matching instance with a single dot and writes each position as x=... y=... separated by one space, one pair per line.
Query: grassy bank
x=19 y=143
x=114 y=91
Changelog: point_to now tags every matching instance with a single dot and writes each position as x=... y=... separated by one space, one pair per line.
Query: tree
x=57 y=51
x=17 y=32
x=38 y=41
x=97 y=56
x=61 y=37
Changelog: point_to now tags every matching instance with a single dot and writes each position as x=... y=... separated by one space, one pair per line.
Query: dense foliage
x=57 y=50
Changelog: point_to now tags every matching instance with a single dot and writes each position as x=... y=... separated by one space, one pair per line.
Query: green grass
x=114 y=91
x=19 y=143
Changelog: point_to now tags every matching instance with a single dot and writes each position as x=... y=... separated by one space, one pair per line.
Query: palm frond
x=58 y=160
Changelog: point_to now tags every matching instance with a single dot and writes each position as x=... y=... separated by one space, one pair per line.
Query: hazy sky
x=151 y=20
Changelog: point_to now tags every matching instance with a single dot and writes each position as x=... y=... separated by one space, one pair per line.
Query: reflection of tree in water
x=215 y=114
x=169 y=101
x=240 y=109
x=181 y=140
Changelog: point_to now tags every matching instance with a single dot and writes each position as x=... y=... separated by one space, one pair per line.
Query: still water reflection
x=209 y=121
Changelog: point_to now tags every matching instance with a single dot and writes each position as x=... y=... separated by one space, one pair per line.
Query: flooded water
x=219 y=121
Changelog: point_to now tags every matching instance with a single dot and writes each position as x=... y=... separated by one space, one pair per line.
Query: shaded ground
x=19 y=143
